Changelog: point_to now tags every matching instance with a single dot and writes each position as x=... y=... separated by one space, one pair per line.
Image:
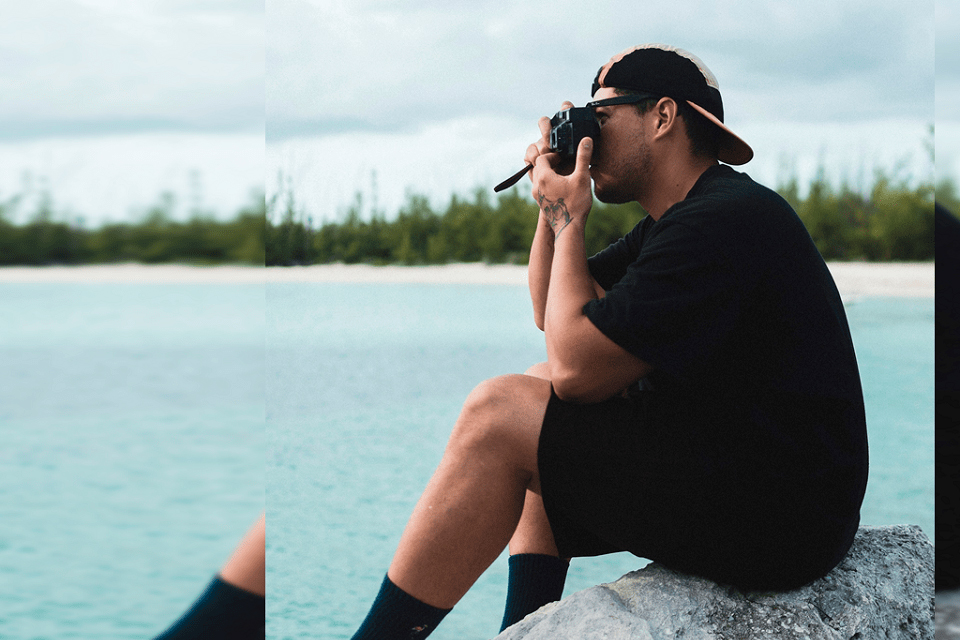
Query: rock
x=883 y=590
x=948 y=615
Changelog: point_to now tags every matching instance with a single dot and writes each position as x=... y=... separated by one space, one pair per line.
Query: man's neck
x=674 y=183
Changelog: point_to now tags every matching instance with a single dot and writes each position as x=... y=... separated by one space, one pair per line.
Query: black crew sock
x=535 y=579
x=223 y=612
x=396 y=615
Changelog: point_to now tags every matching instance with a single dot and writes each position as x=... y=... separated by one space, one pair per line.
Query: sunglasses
x=632 y=98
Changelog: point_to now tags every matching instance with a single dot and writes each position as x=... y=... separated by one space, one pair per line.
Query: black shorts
x=649 y=474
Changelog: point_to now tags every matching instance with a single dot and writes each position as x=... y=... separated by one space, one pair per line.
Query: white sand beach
x=854 y=279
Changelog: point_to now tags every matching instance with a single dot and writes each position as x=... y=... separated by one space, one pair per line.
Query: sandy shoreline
x=854 y=279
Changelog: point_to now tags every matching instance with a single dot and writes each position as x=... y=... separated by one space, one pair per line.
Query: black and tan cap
x=669 y=71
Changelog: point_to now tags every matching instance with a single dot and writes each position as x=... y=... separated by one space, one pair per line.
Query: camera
x=567 y=129
x=570 y=126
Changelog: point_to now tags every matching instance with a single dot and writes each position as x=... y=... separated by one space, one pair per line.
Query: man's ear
x=667 y=113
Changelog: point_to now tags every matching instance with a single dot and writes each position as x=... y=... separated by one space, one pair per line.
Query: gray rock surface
x=883 y=590
x=948 y=615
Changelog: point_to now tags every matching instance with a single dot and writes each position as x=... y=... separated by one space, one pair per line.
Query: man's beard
x=629 y=180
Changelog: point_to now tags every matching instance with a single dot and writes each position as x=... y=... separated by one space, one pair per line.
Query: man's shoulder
x=726 y=189
x=733 y=217
x=725 y=202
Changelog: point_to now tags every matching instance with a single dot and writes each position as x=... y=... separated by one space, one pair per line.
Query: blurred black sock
x=223 y=612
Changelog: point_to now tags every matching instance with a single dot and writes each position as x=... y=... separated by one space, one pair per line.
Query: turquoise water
x=132 y=442
x=365 y=381
x=131 y=451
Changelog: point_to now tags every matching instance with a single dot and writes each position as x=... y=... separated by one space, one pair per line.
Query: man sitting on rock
x=701 y=404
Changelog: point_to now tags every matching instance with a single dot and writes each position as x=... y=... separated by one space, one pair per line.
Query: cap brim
x=732 y=149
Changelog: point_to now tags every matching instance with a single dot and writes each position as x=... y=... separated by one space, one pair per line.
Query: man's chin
x=609 y=196
x=604 y=191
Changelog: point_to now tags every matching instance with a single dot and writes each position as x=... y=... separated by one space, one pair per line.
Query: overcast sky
x=108 y=103
x=444 y=96
x=111 y=102
x=367 y=65
x=89 y=67
x=948 y=89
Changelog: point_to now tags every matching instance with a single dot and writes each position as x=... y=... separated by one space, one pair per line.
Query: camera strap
x=512 y=180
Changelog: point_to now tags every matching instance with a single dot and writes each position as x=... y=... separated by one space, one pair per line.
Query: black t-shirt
x=728 y=298
x=948 y=301
x=948 y=399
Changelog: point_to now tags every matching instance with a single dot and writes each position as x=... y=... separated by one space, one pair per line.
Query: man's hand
x=564 y=199
x=542 y=146
x=555 y=214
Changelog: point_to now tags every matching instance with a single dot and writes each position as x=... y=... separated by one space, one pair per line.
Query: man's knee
x=486 y=410
x=502 y=415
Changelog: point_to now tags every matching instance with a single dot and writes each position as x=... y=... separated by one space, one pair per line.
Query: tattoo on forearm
x=555 y=212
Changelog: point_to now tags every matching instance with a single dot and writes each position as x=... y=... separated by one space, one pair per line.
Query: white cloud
x=88 y=64
x=392 y=88
x=442 y=96
x=116 y=178
x=948 y=61
x=340 y=66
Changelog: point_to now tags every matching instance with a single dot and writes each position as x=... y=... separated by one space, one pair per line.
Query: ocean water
x=131 y=451
x=363 y=383
x=140 y=425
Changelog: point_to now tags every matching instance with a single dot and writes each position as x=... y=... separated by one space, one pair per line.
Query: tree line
x=893 y=222
x=157 y=238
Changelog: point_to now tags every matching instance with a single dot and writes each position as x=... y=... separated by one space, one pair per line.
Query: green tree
x=510 y=229
x=902 y=222
x=408 y=238
x=946 y=195
x=821 y=214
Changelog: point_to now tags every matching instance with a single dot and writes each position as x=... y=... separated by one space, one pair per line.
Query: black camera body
x=570 y=126
x=567 y=129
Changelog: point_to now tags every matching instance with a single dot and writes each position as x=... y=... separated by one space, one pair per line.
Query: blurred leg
x=233 y=606
x=245 y=568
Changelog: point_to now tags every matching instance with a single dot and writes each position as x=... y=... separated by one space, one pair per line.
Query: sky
x=948 y=90
x=108 y=104
x=386 y=98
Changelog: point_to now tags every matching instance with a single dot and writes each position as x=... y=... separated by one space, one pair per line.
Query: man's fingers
x=544 y=124
x=531 y=156
x=584 y=154
x=542 y=147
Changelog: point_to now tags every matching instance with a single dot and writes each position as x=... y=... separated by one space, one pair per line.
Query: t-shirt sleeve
x=675 y=303
x=609 y=265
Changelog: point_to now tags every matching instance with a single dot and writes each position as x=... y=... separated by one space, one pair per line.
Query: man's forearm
x=538 y=269
x=585 y=365
x=571 y=287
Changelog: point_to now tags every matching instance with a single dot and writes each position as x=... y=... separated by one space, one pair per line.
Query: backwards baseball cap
x=668 y=71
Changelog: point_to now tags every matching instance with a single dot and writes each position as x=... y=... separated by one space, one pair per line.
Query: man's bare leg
x=536 y=573
x=533 y=533
x=245 y=567
x=471 y=507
